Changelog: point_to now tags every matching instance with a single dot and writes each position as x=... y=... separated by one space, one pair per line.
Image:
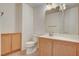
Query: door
x=62 y=48
x=5 y=44
x=45 y=48
x=16 y=41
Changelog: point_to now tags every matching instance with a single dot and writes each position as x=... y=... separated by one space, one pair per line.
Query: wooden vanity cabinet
x=52 y=47
x=16 y=41
x=77 y=48
x=10 y=42
x=5 y=44
x=64 y=48
x=45 y=47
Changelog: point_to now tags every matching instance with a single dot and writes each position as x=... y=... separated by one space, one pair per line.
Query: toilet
x=31 y=46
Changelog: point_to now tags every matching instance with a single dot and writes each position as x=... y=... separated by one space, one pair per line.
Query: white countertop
x=64 y=37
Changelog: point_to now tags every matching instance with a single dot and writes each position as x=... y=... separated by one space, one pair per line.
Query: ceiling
x=69 y=5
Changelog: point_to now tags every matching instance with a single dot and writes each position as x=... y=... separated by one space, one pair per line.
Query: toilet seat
x=30 y=43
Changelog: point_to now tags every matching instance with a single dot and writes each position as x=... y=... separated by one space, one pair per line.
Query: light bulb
x=64 y=6
x=49 y=7
x=54 y=5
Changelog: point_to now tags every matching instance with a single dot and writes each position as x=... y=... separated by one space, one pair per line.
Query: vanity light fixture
x=60 y=6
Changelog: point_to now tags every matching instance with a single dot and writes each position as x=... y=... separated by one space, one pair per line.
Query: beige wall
x=71 y=21
x=27 y=24
x=39 y=20
x=8 y=19
x=18 y=16
x=11 y=21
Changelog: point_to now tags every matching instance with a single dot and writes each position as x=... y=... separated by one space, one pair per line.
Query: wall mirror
x=66 y=22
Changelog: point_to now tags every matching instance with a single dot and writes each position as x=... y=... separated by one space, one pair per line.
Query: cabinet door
x=16 y=41
x=5 y=44
x=61 y=48
x=77 y=46
x=45 y=48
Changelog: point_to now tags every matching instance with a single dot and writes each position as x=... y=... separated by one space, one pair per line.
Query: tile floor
x=22 y=53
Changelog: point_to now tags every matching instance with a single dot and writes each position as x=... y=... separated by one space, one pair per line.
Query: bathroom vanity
x=58 y=45
x=65 y=44
x=10 y=42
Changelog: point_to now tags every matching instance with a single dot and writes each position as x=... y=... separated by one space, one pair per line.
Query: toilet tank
x=35 y=37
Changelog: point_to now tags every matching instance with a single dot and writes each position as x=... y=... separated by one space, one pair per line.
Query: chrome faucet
x=51 y=33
